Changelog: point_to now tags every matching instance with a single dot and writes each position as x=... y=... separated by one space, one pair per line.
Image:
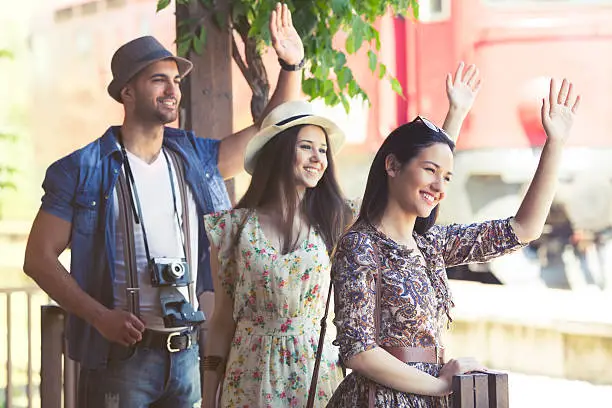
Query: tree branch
x=240 y=62
x=255 y=71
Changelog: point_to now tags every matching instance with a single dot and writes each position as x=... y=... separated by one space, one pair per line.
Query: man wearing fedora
x=130 y=206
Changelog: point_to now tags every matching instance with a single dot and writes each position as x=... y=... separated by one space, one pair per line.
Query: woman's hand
x=285 y=39
x=463 y=88
x=458 y=366
x=559 y=110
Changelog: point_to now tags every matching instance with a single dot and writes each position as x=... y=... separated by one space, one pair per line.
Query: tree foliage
x=6 y=171
x=317 y=21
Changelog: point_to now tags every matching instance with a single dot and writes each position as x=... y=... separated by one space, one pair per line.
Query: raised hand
x=285 y=39
x=463 y=88
x=559 y=110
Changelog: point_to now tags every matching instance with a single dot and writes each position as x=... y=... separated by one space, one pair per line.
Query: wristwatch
x=292 y=67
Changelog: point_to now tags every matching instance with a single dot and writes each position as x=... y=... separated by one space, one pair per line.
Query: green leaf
x=372 y=60
x=382 y=70
x=414 y=5
x=183 y=47
x=220 y=19
x=396 y=86
x=162 y=4
x=353 y=88
x=206 y=3
x=8 y=136
x=340 y=7
x=5 y=54
x=344 y=76
x=199 y=41
x=340 y=60
x=345 y=103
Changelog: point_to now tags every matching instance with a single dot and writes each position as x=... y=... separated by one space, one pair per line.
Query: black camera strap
x=180 y=176
x=137 y=209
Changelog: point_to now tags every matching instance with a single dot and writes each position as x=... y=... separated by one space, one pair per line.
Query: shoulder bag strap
x=377 y=318
x=315 y=373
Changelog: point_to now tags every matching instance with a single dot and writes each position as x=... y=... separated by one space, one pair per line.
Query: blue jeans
x=144 y=378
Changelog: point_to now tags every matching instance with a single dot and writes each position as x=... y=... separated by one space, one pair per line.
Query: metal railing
x=19 y=376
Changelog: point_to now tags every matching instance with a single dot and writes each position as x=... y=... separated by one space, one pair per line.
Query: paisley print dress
x=415 y=301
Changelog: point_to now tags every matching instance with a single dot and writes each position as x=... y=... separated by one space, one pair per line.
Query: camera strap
x=126 y=220
x=180 y=176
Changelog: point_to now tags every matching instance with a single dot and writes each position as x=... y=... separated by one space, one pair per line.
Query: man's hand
x=463 y=89
x=119 y=326
x=285 y=40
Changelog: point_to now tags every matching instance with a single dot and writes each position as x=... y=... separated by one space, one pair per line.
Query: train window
x=434 y=10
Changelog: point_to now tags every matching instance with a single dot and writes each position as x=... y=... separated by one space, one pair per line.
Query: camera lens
x=177 y=270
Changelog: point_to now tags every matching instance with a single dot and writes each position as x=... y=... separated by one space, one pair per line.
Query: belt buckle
x=437 y=355
x=169 y=342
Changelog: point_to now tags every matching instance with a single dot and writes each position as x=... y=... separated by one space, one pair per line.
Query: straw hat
x=285 y=116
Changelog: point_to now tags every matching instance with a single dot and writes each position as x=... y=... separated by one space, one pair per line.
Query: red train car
x=518 y=45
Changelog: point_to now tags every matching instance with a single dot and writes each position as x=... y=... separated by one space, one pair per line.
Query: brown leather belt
x=170 y=341
x=407 y=354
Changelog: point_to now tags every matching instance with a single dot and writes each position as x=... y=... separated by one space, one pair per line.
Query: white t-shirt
x=163 y=235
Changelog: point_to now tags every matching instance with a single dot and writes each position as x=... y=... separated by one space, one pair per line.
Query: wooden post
x=52 y=342
x=480 y=390
x=498 y=390
x=463 y=391
x=206 y=106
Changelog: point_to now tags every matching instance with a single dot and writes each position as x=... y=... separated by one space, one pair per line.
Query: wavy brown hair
x=273 y=185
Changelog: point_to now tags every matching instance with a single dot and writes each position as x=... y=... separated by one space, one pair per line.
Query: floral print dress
x=279 y=301
x=415 y=301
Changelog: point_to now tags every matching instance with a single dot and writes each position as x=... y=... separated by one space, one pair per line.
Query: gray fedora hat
x=136 y=55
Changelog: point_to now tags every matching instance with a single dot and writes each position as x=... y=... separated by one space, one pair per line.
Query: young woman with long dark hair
x=391 y=290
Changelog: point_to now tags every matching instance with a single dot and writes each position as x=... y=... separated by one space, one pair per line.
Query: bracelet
x=292 y=67
x=212 y=363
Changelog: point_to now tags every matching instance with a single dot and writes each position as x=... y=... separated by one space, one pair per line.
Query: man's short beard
x=165 y=119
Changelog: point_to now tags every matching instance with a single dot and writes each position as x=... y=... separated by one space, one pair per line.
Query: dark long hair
x=405 y=143
x=273 y=185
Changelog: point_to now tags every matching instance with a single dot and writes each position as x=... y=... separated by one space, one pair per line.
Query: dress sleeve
x=478 y=242
x=354 y=270
x=221 y=229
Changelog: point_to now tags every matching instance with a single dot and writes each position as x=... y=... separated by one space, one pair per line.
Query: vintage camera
x=169 y=272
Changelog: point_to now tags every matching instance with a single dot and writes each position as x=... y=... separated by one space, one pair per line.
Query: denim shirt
x=79 y=188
